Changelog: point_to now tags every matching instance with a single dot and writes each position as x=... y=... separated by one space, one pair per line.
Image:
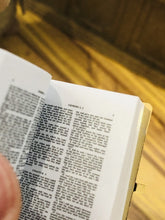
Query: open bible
x=75 y=149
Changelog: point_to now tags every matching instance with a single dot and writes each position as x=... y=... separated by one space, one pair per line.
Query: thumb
x=10 y=196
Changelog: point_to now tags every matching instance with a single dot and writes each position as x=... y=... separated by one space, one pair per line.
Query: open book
x=75 y=149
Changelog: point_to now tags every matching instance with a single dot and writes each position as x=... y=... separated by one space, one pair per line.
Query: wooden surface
x=86 y=59
x=136 y=27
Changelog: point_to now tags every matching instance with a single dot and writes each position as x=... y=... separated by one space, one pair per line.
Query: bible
x=75 y=149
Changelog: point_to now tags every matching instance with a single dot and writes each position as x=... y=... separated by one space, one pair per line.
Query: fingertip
x=10 y=195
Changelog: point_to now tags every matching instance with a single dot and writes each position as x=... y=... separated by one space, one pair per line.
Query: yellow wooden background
x=86 y=59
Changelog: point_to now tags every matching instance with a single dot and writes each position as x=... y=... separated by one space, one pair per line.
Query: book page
x=78 y=151
x=22 y=91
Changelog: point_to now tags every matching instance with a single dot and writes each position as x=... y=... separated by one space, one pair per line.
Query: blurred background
x=116 y=45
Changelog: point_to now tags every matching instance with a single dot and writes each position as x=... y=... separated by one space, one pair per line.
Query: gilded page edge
x=139 y=147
